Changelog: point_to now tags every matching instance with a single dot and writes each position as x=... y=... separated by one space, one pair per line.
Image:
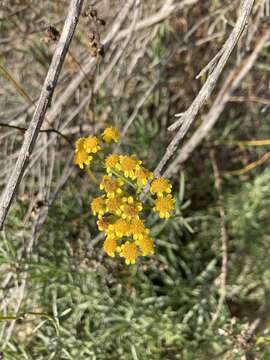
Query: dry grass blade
x=250 y=166
x=20 y=90
x=223 y=235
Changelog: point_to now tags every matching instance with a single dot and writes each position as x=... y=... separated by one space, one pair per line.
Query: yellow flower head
x=130 y=208
x=137 y=228
x=98 y=206
x=146 y=245
x=128 y=165
x=103 y=224
x=81 y=158
x=79 y=145
x=111 y=162
x=128 y=199
x=111 y=134
x=111 y=186
x=120 y=228
x=91 y=144
x=143 y=176
x=164 y=205
x=110 y=246
x=113 y=205
x=160 y=186
x=129 y=211
x=129 y=252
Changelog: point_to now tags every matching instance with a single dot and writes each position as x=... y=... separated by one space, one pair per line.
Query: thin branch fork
x=232 y=82
x=220 y=60
x=20 y=128
x=189 y=116
x=49 y=85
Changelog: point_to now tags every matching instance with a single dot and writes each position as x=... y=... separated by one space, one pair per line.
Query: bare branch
x=187 y=119
x=88 y=66
x=41 y=131
x=42 y=105
x=220 y=60
x=233 y=81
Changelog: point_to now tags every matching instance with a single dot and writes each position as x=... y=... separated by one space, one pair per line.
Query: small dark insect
x=1 y=355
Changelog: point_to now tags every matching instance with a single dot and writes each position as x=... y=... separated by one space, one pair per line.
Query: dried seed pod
x=53 y=33
x=101 y=51
x=101 y=21
x=93 y=14
x=90 y=12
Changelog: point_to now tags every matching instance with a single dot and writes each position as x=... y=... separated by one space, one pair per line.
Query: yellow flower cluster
x=121 y=215
x=91 y=145
x=118 y=215
x=164 y=203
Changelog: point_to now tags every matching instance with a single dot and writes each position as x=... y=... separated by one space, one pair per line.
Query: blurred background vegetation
x=69 y=300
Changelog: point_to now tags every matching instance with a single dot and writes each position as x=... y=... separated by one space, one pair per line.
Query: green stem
x=124 y=179
x=91 y=175
x=41 y=314
x=116 y=173
x=131 y=184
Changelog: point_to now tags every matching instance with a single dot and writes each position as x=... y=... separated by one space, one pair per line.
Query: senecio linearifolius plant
x=120 y=212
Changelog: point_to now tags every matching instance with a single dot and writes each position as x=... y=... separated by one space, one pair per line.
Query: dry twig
x=41 y=108
x=188 y=117
x=224 y=96
x=250 y=166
